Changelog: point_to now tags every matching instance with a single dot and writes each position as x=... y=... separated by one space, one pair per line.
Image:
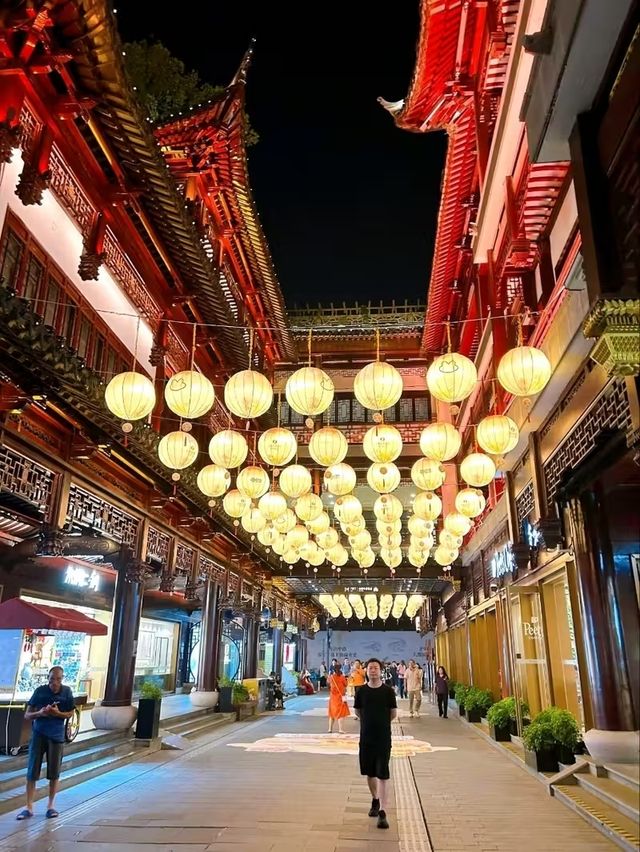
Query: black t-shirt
x=375 y=705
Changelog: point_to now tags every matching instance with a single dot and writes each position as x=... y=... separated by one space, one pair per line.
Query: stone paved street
x=237 y=799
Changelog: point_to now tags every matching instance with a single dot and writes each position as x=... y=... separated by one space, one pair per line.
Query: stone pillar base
x=613 y=746
x=107 y=718
x=204 y=700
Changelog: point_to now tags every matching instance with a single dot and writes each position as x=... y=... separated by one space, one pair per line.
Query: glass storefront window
x=231 y=646
x=156 y=657
x=529 y=648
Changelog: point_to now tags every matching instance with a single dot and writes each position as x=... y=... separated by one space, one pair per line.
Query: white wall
x=59 y=236
x=362 y=644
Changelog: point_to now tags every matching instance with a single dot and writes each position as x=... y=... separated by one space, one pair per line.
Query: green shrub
x=478 y=700
x=225 y=680
x=462 y=691
x=503 y=712
x=550 y=728
x=150 y=690
x=240 y=693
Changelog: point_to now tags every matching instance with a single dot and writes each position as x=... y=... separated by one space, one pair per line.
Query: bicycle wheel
x=72 y=726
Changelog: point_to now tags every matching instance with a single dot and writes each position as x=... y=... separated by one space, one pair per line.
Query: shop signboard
x=82 y=578
x=532 y=629
x=502 y=562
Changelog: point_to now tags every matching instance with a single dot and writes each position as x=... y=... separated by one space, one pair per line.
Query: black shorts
x=38 y=748
x=374 y=760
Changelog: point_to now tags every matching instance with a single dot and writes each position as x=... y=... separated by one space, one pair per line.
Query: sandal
x=25 y=814
x=52 y=813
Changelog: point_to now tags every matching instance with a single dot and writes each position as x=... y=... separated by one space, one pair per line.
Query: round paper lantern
x=189 y=394
x=382 y=443
x=391 y=541
x=391 y=557
x=291 y=556
x=361 y=540
x=297 y=536
x=328 y=446
x=178 y=450
x=451 y=377
x=457 y=523
x=387 y=508
x=312 y=554
x=445 y=555
x=497 y=434
x=427 y=474
x=294 y=481
x=228 y=448
x=419 y=527
x=421 y=545
x=213 y=480
x=337 y=555
x=286 y=521
x=524 y=371
x=277 y=446
x=279 y=545
x=272 y=505
x=253 y=520
x=355 y=526
x=440 y=441
x=328 y=539
x=427 y=506
x=130 y=396
x=388 y=527
x=383 y=477
x=367 y=559
x=309 y=391
x=340 y=479
x=235 y=503
x=253 y=481
x=308 y=507
x=347 y=508
x=320 y=524
x=418 y=560
x=378 y=386
x=449 y=540
x=470 y=502
x=248 y=394
x=477 y=469
x=268 y=535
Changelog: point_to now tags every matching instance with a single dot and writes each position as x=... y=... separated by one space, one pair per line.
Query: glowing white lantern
x=391 y=542
x=444 y=555
x=189 y=394
x=294 y=481
x=272 y=505
x=382 y=443
x=340 y=479
x=497 y=434
x=213 y=480
x=399 y=604
x=291 y=556
x=253 y=481
x=419 y=526
x=387 y=527
x=361 y=540
x=286 y=521
x=248 y=394
x=309 y=391
x=319 y=524
x=449 y=540
x=355 y=526
x=277 y=446
x=457 y=523
x=378 y=386
x=387 y=508
x=308 y=507
x=383 y=477
x=130 y=396
x=427 y=474
x=228 y=449
x=268 y=535
x=298 y=536
x=440 y=441
x=328 y=446
x=235 y=503
x=392 y=557
x=328 y=539
x=524 y=371
x=337 y=555
x=347 y=508
x=451 y=377
x=477 y=470
x=427 y=506
x=470 y=502
x=253 y=520
x=178 y=450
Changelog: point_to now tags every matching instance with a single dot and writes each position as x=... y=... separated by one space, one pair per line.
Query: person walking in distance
x=338 y=707
x=413 y=685
x=442 y=691
x=49 y=707
x=375 y=706
x=401 y=670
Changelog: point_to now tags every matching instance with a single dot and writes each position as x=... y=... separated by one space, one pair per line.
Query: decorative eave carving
x=615 y=324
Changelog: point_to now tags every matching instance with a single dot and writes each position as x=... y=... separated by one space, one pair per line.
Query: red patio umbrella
x=24 y=615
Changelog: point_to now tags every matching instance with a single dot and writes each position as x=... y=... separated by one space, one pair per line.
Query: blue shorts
x=38 y=748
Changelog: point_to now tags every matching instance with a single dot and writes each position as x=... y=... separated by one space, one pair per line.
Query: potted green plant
x=240 y=694
x=225 y=690
x=452 y=689
x=566 y=733
x=543 y=738
x=243 y=701
x=477 y=703
x=460 y=695
x=502 y=715
x=149 y=703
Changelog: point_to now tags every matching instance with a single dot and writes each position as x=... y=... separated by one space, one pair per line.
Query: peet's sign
x=502 y=562
x=531 y=629
x=82 y=578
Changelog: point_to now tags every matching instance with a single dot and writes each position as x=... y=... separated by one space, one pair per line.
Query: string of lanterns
x=373 y=606
x=283 y=512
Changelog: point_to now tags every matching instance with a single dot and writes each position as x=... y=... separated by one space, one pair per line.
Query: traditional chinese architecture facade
x=537 y=242
x=116 y=244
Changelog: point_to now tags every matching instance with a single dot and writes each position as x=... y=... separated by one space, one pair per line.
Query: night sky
x=348 y=201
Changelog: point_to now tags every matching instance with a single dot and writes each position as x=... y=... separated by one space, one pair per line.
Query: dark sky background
x=348 y=201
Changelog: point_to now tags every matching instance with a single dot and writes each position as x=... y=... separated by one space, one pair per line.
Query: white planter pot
x=613 y=746
x=113 y=718
x=204 y=700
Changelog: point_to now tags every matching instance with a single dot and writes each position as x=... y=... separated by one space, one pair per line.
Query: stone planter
x=245 y=709
x=542 y=761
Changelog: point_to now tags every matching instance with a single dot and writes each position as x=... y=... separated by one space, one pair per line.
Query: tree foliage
x=164 y=86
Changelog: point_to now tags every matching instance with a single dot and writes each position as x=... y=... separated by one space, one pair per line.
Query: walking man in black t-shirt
x=375 y=706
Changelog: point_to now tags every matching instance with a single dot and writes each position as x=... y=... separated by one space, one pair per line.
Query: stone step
x=194 y=727
x=84 y=740
x=612 y=793
x=606 y=819
x=13 y=799
x=627 y=774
